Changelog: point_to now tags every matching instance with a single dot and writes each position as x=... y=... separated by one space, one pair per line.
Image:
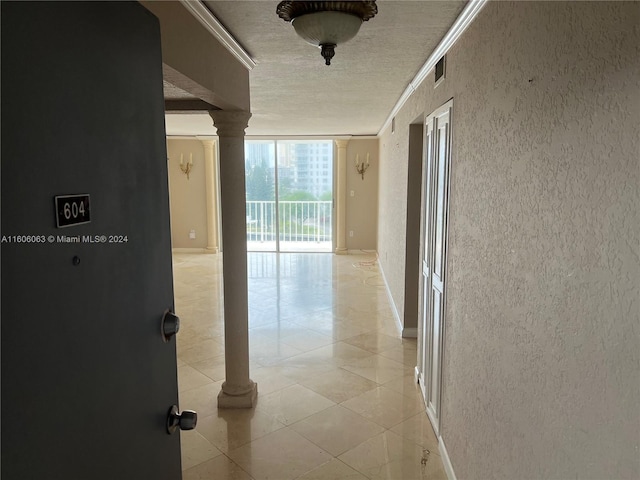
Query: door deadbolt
x=170 y=325
x=186 y=420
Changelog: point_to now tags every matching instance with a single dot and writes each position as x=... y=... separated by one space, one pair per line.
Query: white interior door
x=434 y=253
x=426 y=260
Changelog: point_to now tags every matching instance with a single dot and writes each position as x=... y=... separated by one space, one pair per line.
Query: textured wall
x=362 y=208
x=392 y=213
x=392 y=199
x=541 y=350
x=188 y=197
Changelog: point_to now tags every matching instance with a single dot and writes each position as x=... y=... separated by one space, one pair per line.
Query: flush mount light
x=327 y=24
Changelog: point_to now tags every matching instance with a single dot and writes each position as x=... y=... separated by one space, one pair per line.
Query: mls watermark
x=40 y=239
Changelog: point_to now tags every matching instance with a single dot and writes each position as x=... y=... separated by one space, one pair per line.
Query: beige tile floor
x=337 y=399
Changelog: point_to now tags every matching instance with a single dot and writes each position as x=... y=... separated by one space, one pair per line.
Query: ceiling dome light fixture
x=327 y=24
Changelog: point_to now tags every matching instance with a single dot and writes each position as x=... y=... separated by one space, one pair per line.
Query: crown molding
x=455 y=32
x=211 y=23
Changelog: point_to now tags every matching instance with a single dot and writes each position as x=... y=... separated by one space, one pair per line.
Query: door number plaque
x=72 y=210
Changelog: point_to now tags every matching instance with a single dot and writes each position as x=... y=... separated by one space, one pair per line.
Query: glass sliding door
x=305 y=195
x=289 y=195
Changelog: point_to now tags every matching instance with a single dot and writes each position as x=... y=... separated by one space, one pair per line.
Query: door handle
x=187 y=420
x=170 y=325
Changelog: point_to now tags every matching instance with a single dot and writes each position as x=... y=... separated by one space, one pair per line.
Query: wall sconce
x=361 y=167
x=186 y=168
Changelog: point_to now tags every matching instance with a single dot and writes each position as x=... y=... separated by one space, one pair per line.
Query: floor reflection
x=337 y=397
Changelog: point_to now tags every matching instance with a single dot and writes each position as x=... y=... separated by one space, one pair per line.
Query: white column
x=238 y=390
x=211 y=186
x=341 y=198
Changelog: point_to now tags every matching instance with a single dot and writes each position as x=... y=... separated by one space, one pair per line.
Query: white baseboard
x=191 y=250
x=446 y=461
x=394 y=310
x=404 y=332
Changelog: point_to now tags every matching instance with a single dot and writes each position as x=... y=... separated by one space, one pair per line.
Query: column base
x=342 y=251
x=245 y=400
x=211 y=250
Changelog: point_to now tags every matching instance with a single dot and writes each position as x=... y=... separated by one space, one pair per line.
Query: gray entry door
x=87 y=380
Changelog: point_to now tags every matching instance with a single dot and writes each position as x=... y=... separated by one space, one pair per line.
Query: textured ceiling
x=294 y=93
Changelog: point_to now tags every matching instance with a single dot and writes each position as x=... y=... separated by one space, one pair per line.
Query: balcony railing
x=300 y=221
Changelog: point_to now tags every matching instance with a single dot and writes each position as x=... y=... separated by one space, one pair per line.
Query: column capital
x=206 y=142
x=230 y=123
x=342 y=143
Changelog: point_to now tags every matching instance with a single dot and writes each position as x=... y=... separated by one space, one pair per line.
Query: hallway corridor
x=336 y=392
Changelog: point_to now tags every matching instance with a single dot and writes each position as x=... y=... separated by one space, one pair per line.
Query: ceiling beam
x=211 y=23
x=187 y=106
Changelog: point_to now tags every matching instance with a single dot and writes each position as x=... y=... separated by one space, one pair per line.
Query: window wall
x=289 y=185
